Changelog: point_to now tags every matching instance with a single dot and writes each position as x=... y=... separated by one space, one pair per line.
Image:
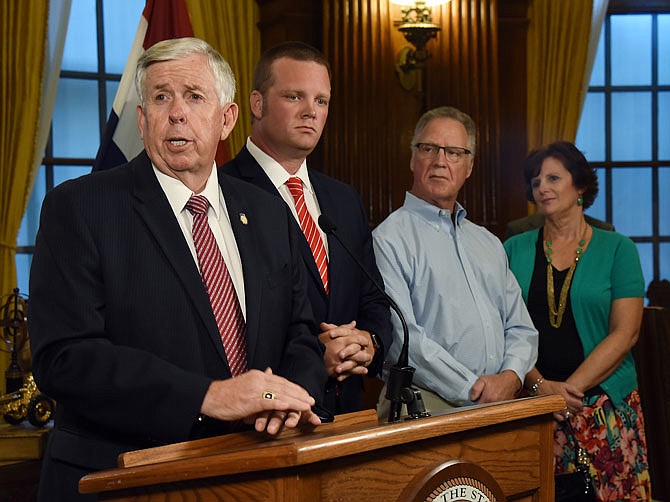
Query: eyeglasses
x=428 y=151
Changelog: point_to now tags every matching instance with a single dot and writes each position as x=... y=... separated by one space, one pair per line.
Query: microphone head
x=326 y=224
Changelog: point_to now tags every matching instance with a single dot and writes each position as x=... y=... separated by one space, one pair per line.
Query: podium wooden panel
x=354 y=458
x=21 y=448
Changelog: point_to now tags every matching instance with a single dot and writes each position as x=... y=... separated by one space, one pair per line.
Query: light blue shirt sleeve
x=463 y=306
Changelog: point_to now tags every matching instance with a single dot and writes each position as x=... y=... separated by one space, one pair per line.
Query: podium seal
x=453 y=481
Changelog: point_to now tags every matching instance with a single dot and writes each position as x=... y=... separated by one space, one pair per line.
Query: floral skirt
x=615 y=441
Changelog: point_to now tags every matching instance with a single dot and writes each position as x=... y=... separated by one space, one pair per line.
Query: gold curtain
x=23 y=29
x=558 y=45
x=230 y=27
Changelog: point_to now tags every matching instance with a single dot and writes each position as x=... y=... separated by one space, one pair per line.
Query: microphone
x=399 y=386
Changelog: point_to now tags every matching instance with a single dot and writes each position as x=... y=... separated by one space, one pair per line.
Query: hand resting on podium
x=502 y=386
x=268 y=401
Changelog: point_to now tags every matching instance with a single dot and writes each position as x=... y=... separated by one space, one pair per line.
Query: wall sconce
x=418 y=28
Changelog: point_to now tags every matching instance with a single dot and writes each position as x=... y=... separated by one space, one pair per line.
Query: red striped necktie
x=219 y=286
x=308 y=226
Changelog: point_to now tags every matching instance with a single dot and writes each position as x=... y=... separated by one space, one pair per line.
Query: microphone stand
x=399 y=388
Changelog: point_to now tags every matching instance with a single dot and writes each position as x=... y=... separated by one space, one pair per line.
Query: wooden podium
x=355 y=459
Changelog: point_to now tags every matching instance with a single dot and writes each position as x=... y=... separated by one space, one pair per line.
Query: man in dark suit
x=289 y=107
x=123 y=330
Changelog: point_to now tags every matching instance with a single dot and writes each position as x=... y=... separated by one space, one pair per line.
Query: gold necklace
x=556 y=315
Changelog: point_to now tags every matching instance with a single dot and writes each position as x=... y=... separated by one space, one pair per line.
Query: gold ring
x=268 y=394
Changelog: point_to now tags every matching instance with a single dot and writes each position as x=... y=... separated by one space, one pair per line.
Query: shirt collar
x=430 y=212
x=274 y=170
x=178 y=194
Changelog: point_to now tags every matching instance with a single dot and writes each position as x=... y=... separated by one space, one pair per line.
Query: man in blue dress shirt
x=471 y=338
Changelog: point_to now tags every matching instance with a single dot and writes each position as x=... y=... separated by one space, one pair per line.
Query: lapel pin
x=243 y=219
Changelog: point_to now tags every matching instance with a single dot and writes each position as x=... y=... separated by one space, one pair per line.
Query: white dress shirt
x=279 y=176
x=178 y=195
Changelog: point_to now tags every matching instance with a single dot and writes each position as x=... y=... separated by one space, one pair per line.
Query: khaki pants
x=431 y=401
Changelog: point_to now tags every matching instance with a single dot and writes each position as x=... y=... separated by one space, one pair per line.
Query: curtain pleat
x=230 y=26
x=558 y=47
x=23 y=35
x=23 y=28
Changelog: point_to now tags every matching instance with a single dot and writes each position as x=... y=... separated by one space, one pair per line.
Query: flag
x=161 y=20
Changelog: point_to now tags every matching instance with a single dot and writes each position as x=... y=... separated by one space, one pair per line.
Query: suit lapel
x=153 y=207
x=244 y=228
x=329 y=207
x=252 y=172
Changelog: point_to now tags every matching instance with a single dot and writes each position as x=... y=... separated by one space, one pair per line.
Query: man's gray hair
x=179 y=48
x=448 y=112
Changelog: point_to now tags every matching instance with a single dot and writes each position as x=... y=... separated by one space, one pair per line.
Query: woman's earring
x=580 y=201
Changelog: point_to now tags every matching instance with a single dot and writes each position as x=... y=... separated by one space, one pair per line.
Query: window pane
x=598 y=72
x=64 y=173
x=664 y=125
x=23 y=262
x=631 y=201
x=81 y=46
x=591 y=132
x=76 y=127
x=664 y=258
x=631 y=49
x=664 y=201
x=119 y=31
x=112 y=87
x=664 y=49
x=31 y=217
x=597 y=209
x=646 y=252
x=631 y=143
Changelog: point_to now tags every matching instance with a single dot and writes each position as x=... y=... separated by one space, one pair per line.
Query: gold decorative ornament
x=27 y=402
x=556 y=314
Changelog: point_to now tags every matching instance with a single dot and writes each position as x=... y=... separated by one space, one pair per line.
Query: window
x=99 y=36
x=625 y=133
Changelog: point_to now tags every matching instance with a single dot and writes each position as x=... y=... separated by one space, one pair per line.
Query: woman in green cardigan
x=584 y=290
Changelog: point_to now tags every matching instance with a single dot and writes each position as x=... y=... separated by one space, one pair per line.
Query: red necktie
x=308 y=226
x=219 y=285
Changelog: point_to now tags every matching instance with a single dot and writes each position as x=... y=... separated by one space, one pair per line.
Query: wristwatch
x=376 y=342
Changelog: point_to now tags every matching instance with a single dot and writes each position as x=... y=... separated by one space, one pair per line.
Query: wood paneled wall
x=282 y=20
x=512 y=28
x=371 y=120
x=464 y=73
x=477 y=65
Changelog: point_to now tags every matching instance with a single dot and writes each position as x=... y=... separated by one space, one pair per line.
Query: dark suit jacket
x=122 y=332
x=352 y=295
